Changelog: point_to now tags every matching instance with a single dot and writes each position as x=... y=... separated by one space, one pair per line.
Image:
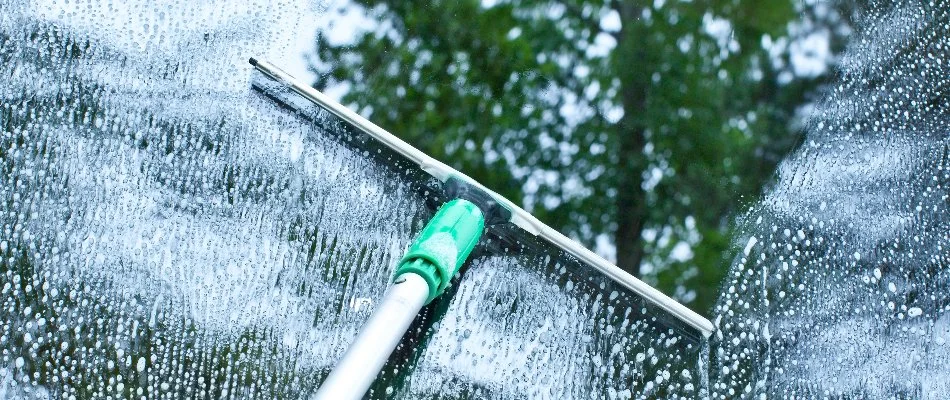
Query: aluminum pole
x=377 y=339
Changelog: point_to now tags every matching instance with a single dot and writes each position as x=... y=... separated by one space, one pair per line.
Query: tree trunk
x=634 y=71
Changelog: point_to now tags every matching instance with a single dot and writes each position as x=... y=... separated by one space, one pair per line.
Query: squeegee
x=441 y=248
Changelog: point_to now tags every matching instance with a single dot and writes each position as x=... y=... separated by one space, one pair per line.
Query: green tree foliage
x=643 y=122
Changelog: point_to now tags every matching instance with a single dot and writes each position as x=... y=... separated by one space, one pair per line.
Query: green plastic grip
x=443 y=245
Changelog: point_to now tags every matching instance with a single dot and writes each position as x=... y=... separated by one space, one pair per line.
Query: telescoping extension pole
x=423 y=274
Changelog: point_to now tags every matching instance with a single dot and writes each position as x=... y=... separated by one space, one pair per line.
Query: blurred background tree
x=636 y=127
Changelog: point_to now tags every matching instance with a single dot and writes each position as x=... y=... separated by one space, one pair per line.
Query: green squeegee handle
x=443 y=245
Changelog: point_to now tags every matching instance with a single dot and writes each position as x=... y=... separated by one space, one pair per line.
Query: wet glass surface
x=840 y=282
x=170 y=230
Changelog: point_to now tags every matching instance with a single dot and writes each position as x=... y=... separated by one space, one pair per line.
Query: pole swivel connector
x=443 y=245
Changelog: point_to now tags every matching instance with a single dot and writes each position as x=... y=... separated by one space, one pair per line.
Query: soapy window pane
x=839 y=284
x=167 y=231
